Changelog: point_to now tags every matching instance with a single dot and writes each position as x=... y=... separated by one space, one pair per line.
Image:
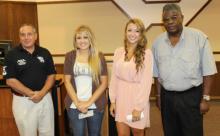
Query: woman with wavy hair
x=131 y=81
x=85 y=79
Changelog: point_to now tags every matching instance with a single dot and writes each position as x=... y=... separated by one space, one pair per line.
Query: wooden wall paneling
x=4 y=21
x=59 y=68
x=19 y=14
x=216 y=85
x=5 y=103
x=13 y=15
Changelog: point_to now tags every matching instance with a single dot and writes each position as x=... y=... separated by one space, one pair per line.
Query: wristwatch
x=206 y=97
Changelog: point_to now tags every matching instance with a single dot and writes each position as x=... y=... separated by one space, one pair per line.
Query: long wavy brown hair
x=141 y=45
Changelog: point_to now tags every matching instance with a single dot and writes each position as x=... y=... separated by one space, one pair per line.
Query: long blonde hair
x=93 y=59
x=141 y=45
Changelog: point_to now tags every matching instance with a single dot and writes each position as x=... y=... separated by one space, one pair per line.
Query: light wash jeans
x=78 y=126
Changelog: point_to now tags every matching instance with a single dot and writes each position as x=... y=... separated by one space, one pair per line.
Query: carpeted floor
x=211 y=121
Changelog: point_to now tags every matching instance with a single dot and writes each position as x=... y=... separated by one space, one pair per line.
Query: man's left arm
x=207 y=84
x=208 y=72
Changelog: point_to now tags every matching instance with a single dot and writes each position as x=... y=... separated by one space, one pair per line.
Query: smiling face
x=132 y=34
x=28 y=36
x=82 y=40
x=173 y=20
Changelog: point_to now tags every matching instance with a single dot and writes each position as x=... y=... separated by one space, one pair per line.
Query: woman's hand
x=136 y=115
x=112 y=109
x=83 y=106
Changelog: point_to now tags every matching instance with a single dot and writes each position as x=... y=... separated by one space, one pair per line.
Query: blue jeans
x=78 y=126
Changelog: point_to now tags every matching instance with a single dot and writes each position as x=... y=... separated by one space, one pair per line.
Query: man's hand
x=204 y=107
x=30 y=93
x=158 y=102
x=37 y=96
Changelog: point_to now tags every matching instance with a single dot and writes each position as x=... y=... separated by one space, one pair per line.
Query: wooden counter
x=7 y=122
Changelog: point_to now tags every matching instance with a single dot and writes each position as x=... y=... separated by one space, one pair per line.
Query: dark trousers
x=181 y=112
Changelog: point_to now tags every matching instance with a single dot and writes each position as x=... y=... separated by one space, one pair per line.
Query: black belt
x=18 y=94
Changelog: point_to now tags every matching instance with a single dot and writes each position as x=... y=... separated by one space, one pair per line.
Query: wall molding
x=216 y=52
x=199 y=11
x=215 y=94
x=160 y=1
x=18 y=2
x=112 y=54
x=76 y=1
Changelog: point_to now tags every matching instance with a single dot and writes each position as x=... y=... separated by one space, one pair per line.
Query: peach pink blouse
x=131 y=90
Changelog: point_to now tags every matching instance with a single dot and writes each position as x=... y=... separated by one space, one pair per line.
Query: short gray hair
x=31 y=25
x=172 y=6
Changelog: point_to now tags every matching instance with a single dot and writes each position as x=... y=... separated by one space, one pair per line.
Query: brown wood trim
x=126 y=14
x=63 y=55
x=112 y=54
x=108 y=54
x=58 y=64
x=160 y=1
x=213 y=98
x=107 y=61
x=161 y=24
x=154 y=24
x=200 y=10
x=18 y=2
x=145 y=1
x=58 y=55
x=216 y=52
x=76 y=1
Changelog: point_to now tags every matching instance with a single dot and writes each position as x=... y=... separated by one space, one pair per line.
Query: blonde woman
x=85 y=79
x=131 y=82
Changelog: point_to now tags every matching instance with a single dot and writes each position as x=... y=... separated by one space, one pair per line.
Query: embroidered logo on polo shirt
x=21 y=62
x=41 y=59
